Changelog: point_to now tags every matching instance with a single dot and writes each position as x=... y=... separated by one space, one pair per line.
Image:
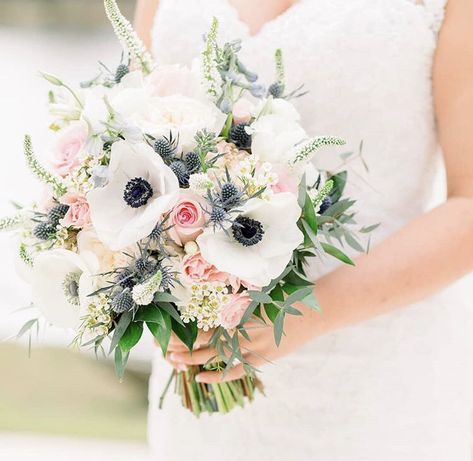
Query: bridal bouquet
x=178 y=199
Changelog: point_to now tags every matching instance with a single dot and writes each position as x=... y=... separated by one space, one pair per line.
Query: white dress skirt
x=395 y=388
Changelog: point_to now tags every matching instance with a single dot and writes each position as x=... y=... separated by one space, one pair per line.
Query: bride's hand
x=260 y=350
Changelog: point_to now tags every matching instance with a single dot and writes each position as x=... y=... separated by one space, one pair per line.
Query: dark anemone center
x=137 y=192
x=247 y=231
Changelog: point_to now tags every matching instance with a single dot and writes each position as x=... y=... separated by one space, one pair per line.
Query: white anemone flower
x=141 y=188
x=259 y=245
x=61 y=283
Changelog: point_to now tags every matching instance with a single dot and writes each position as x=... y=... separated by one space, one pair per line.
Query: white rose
x=269 y=235
x=159 y=116
x=274 y=138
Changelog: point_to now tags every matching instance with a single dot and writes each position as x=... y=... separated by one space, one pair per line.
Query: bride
x=384 y=373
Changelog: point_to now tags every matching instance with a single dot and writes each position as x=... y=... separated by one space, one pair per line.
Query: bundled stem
x=211 y=398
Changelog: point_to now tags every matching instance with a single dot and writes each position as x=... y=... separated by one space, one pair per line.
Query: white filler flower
x=259 y=244
x=61 y=283
x=140 y=190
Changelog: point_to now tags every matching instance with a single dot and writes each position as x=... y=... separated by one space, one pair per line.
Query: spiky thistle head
x=129 y=39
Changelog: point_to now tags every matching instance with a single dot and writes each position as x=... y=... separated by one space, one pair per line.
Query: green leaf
x=150 y=313
x=260 y=297
x=336 y=253
x=120 y=362
x=277 y=293
x=309 y=214
x=162 y=333
x=122 y=325
x=310 y=234
x=186 y=333
x=279 y=327
x=27 y=327
x=164 y=297
x=340 y=207
x=311 y=301
x=302 y=192
x=298 y=295
x=353 y=242
x=340 y=181
x=368 y=229
x=249 y=312
x=131 y=336
x=172 y=311
x=272 y=311
x=294 y=279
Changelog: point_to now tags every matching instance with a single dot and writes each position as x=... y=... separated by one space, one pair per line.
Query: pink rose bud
x=68 y=148
x=232 y=311
x=242 y=111
x=187 y=218
x=78 y=215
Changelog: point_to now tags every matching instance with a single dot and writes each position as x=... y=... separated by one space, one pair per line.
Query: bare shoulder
x=144 y=18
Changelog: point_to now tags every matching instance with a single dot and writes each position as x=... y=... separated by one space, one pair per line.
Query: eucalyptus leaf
x=120 y=329
x=279 y=327
x=336 y=253
x=298 y=295
x=121 y=360
x=259 y=296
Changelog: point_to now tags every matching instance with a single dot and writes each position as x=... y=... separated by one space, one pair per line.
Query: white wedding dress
x=395 y=388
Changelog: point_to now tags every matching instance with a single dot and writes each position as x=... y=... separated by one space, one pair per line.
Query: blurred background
x=57 y=402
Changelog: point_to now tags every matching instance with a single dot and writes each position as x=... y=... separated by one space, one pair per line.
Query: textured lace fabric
x=394 y=388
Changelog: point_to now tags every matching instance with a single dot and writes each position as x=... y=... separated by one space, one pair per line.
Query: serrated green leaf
x=336 y=253
x=131 y=337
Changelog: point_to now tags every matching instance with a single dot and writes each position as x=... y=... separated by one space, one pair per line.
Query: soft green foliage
x=308 y=150
x=209 y=62
x=129 y=39
x=10 y=222
x=280 y=73
x=40 y=172
x=326 y=189
x=25 y=255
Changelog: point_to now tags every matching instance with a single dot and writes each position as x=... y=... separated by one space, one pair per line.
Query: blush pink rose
x=232 y=311
x=70 y=144
x=242 y=111
x=196 y=269
x=174 y=79
x=187 y=218
x=286 y=181
x=78 y=215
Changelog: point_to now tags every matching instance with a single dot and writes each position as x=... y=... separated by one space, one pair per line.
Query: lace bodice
x=395 y=387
